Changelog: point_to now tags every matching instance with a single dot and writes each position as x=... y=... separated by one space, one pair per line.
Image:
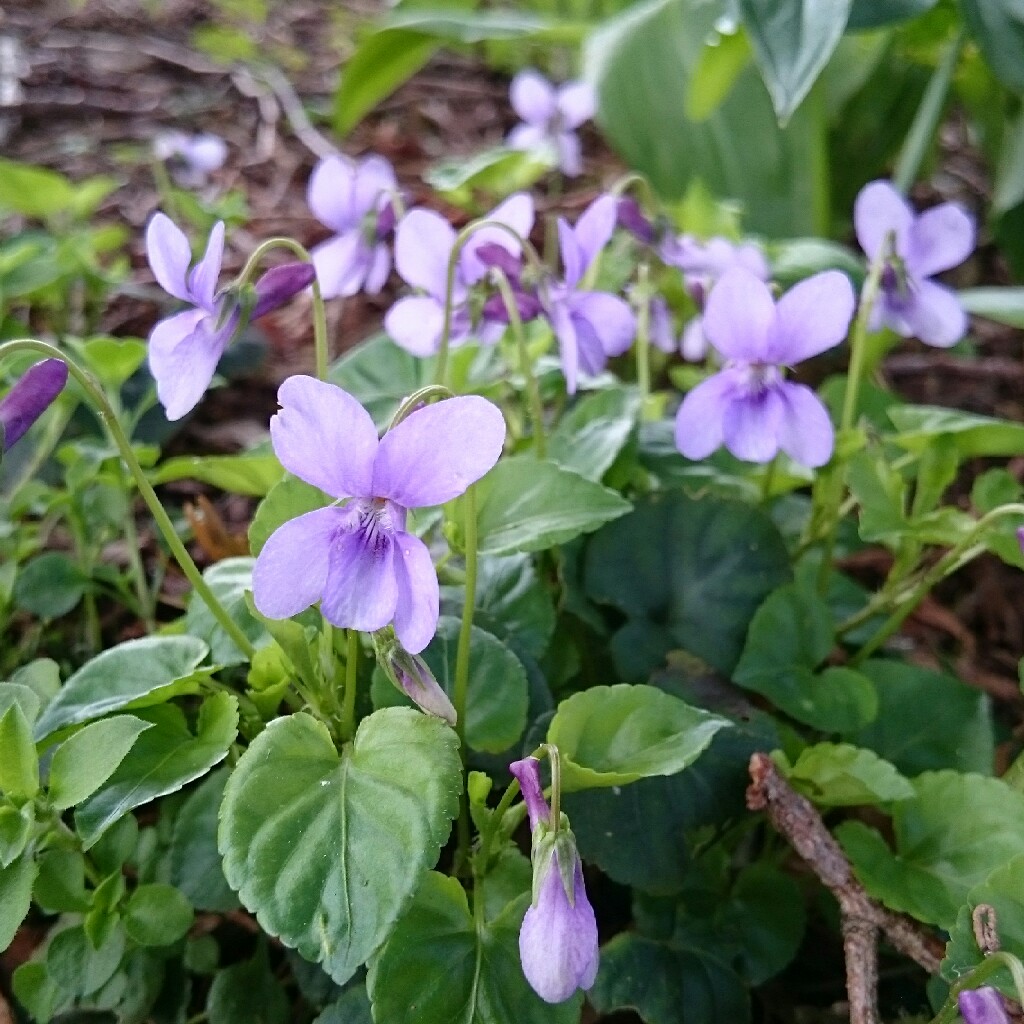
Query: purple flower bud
x=632 y=218
x=279 y=284
x=527 y=303
x=30 y=398
x=527 y=772
x=982 y=1006
x=411 y=674
x=493 y=254
x=558 y=940
x=385 y=220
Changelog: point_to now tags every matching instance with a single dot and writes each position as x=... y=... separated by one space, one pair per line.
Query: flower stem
x=109 y=420
x=348 y=710
x=643 y=333
x=320 y=341
x=555 y=760
x=525 y=363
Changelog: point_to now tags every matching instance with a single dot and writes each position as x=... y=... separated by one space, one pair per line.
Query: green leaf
x=33 y=191
x=19 y=763
x=611 y=735
x=372 y=821
x=918 y=425
x=527 y=505
x=163 y=760
x=498 y=695
x=157 y=915
x=1003 y=890
x=645 y=62
x=874 y=13
x=382 y=62
x=76 y=967
x=794 y=259
x=134 y=674
x=493 y=173
x=229 y=579
x=113 y=360
x=23 y=696
x=286 y=500
x=688 y=574
x=15 y=897
x=790 y=635
x=841 y=775
x=793 y=40
x=84 y=762
x=247 y=991
x=717 y=70
x=351 y=1007
x=193 y=860
x=591 y=434
x=675 y=982
x=1009 y=185
x=955 y=733
x=998 y=26
x=35 y=990
x=450 y=969
x=15 y=831
x=949 y=837
x=60 y=885
x=253 y=474
x=49 y=585
x=1003 y=305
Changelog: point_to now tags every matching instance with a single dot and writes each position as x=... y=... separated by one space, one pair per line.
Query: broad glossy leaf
x=956 y=732
x=19 y=763
x=793 y=40
x=157 y=914
x=919 y=425
x=82 y=763
x=874 y=13
x=717 y=70
x=591 y=434
x=998 y=27
x=133 y=674
x=16 y=825
x=688 y=574
x=949 y=837
x=247 y=991
x=498 y=693
x=1003 y=305
x=15 y=896
x=612 y=735
x=78 y=968
x=163 y=760
x=229 y=579
x=49 y=585
x=527 y=505
x=286 y=500
x=60 y=885
x=253 y=474
x=113 y=360
x=842 y=775
x=493 y=174
x=328 y=848
x=438 y=961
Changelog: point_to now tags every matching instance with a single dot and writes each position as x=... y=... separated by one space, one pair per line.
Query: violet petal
x=29 y=398
x=416 y=324
x=805 y=431
x=811 y=317
x=699 y=421
x=941 y=238
x=361 y=590
x=751 y=424
x=533 y=97
x=183 y=354
x=202 y=282
x=577 y=102
x=330 y=193
x=982 y=1006
x=934 y=314
x=169 y=256
x=418 y=604
x=527 y=772
x=739 y=316
x=423 y=246
x=877 y=210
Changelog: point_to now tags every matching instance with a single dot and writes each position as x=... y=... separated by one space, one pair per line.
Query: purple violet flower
x=558 y=939
x=590 y=326
x=631 y=217
x=982 y=1006
x=423 y=246
x=30 y=397
x=923 y=245
x=184 y=349
x=193 y=157
x=357 y=558
x=353 y=199
x=551 y=116
x=748 y=405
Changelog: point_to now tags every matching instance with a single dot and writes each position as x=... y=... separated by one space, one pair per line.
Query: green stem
x=525 y=363
x=555 y=760
x=926 y=119
x=495 y=823
x=348 y=710
x=416 y=399
x=106 y=414
x=319 y=311
x=643 y=333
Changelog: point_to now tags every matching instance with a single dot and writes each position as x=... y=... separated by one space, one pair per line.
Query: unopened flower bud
x=631 y=217
x=29 y=399
x=982 y=1006
x=411 y=674
x=279 y=284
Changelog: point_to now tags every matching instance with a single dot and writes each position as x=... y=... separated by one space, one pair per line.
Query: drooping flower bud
x=29 y=399
x=279 y=284
x=411 y=674
x=982 y=1006
x=630 y=217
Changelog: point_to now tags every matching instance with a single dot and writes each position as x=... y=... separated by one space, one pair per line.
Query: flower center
x=373 y=520
x=757 y=378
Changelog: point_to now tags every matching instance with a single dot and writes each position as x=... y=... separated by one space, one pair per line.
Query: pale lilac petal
x=934 y=314
x=183 y=354
x=291 y=569
x=517 y=212
x=693 y=345
x=594 y=228
x=169 y=255
x=378 y=270
x=805 y=431
x=568 y=347
x=423 y=247
x=325 y=437
x=340 y=264
x=205 y=152
x=202 y=282
x=573 y=262
x=533 y=97
x=879 y=209
x=750 y=427
x=416 y=323
x=577 y=102
x=589 y=350
x=418 y=597
x=374 y=178
x=570 y=154
x=360 y=591
x=751 y=257
x=610 y=317
x=941 y=238
x=434 y=454
x=811 y=317
x=662 y=335
x=527 y=773
x=331 y=192
x=529 y=137
x=558 y=942
x=700 y=417
x=739 y=316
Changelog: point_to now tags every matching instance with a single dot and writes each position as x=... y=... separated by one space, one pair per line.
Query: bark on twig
x=796 y=818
